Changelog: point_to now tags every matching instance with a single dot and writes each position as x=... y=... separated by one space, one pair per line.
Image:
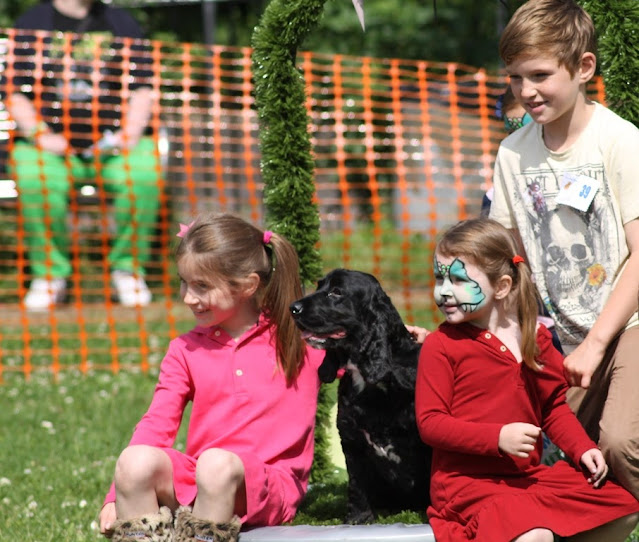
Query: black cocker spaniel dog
x=351 y=317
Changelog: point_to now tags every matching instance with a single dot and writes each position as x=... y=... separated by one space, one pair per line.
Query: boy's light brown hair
x=556 y=28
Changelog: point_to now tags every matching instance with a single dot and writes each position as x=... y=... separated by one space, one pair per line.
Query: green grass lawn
x=59 y=443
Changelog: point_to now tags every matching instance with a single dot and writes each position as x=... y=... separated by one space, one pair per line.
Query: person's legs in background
x=43 y=181
x=134 y=180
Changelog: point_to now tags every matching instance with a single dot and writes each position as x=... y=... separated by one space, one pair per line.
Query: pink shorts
x=272 y=496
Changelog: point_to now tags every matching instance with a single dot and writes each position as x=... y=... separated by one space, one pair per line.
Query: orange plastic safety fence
x=402 y=150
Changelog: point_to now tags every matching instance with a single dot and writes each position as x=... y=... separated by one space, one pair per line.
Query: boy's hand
x=518 y=438
x=107 y=519
x=593 y=461
x=580 y=365
x=418 y=333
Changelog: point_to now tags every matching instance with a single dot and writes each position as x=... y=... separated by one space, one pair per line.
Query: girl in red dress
x=489 y=381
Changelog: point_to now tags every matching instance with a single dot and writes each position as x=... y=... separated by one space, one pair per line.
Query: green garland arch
x=287 y=161
x=280 y=97
x=617 y=23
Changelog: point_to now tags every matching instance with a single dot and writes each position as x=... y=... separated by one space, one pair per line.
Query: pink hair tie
x=267 y=237
x=184 y=229
x=517 y=259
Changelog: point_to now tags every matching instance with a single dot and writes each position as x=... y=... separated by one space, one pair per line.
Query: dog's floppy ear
x=379 y=323
x=387 y=330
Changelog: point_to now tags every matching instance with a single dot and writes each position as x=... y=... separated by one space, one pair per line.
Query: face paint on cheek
x=476 y=297
x=468 y=293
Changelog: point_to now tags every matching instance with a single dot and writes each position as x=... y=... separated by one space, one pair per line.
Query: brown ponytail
x=527 y=309
x=283 y=288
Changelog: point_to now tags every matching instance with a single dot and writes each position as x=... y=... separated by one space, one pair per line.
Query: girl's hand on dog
x=518 y=438
x=418 y=333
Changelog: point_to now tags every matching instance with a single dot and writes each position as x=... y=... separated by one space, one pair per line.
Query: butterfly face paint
x=455 y=291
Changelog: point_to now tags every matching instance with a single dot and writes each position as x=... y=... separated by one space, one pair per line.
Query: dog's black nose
x=295 y=308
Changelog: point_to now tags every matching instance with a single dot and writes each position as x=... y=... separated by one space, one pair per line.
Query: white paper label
x=577 y=191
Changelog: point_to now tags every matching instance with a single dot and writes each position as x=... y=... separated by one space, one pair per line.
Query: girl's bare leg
x=535 y=535
x=221 y=493
x=143 y=482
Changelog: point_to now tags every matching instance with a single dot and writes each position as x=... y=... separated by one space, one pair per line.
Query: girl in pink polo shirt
x=253 y=386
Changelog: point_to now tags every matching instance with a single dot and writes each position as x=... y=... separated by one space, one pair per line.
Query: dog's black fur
x=352 y=318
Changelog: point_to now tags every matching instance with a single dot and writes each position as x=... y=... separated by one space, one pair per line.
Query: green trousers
x=44 y=181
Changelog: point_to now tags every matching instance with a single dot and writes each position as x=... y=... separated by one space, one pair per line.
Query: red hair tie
x=517 y=259
x=267 y=237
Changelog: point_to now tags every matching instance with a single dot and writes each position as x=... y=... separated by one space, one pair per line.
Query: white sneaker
x=130 y=289
x=45 y=293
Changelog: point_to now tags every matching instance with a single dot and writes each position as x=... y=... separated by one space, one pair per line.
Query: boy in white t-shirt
x=567 y=185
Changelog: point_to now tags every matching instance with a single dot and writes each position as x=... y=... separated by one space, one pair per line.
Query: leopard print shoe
x=151 y=527
x=192 y=529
